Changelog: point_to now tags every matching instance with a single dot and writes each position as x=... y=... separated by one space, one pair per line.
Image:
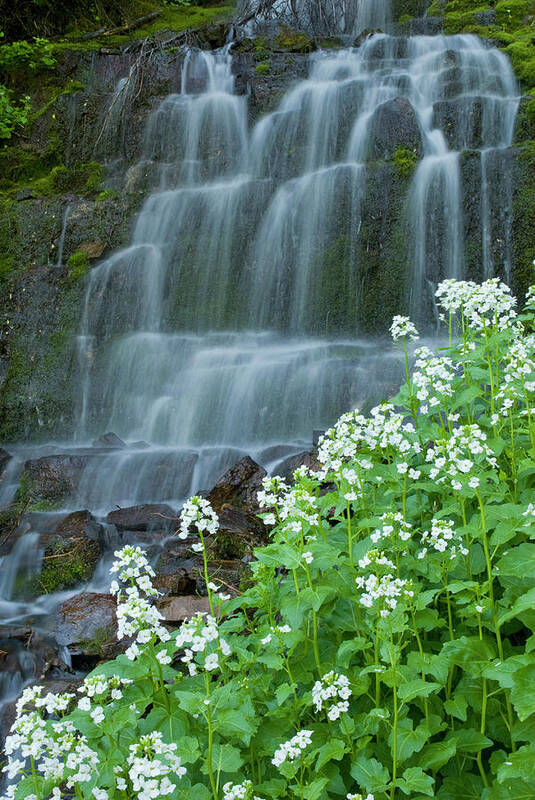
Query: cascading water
x=230 y=325
x=218 y=332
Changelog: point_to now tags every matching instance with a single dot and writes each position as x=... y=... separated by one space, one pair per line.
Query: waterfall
x=231 y=323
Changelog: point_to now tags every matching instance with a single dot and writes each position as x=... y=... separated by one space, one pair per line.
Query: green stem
x=210 y=739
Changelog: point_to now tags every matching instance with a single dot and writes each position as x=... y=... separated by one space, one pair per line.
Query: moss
x=66 y=564
x=172 y=19
x=436 y=8
x=263 y=68
x=331 y=43
x=405 y=161
x=294 y=41
x=512 y=14
x=261 y=48
x=94 y=646
x=107 y=194
x=230 y=546
x=78 y=264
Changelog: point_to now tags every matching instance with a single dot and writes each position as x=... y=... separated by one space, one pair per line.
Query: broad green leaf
x=525 y=602
x=437 y=754
x=519 y=561
x=225 y=758
x=470 y=653
x=409 y=740
x=519 y=765
x=469 y=740
x=456 y=706
x=417 y=688
x=370 y=774
x=415 y=780
x=522 y=691
x=334 y=749
x=315 y=789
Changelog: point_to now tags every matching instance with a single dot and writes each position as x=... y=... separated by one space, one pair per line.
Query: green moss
x=263 y=68
x=261 y=48
x=436 y=8
x=405 y=161
x=512 y=14
x=294 y=41
x=94 y=646
x=66 y=564
x=107 y=194
x=171 y=19
x=331 y=43
x=78 y=264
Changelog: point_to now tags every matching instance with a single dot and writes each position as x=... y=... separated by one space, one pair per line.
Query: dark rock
x=215 y=36
x=5 y=458
x=239 y=532
x=365 y=35
x=72 y=550
x=485 y=17
x=109 y=440
x=177 y=609
x=460 y=120
x=316 y=436
x=307 y=459
x=87 y=623
x=394 y=125
x=425 y=26
x=55 y=477
x=238 y=486
x=155 y=516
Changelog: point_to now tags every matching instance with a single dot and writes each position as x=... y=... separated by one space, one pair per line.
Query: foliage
x=36 y=55
x=404 y=160
x=13 y=113
x=387 y=645
x=78 y=264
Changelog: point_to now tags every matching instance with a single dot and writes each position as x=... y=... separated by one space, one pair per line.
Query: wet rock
x=239 y=532
x=177 y=609
x=293 y=42
x=460 y=120
x=425 y=26
x=394 y=125
x=5 y=458
x=55 y=477
x=92 y=249
x=307 y=459
x=147 y=517
x=238 y=486
x=109 y=440
x=365 y=35
x=485 y=17
x=316 y=436
x=72 y=549
x=87 y=623
x=214 y=36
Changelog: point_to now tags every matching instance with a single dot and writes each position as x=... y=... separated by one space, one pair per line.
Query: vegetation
x=386 y=646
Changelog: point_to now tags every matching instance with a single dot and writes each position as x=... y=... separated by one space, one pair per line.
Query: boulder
x=109 y=440
x=177 y=609
x=460 y=120
x=287 y=467
x=5 y=458
x=72 y=549
x=239 y=532
x=92 y=249
x=87 y=623
x=394 y=125
x=238 y=486
x=146 y=517
x=55 y=477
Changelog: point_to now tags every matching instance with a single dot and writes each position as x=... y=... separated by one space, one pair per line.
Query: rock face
x=72 y=549
x=148 y=517
x=5 y=458
x=55 y=477
x=238 y=486
x=306 y=459
x=109 y=440
x=86 y=623
x=177 y=609
x=394 y=125
x=239 y=532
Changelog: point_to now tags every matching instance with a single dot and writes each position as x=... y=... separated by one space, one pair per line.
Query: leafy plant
x=13 y=113
x=387 y=645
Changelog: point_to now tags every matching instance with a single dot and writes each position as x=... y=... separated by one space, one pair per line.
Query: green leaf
x=522 y=694
x=315 y=789
x=437 y=754
x=415 y=780
x=525 y=602
x=519 y=561
x=370 y=774
x=456 y=706
x=276 y=555
x=469 y=740
x=417 y=688
x=225 y=758
x=334 y=749
x=470 y=653
x=409 y=741
x=239 y=723
x=519 y=765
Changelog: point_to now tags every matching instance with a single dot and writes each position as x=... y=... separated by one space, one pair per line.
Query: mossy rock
x=263 y=68
x=290 y=41
x=405 y=161
x=78 y=265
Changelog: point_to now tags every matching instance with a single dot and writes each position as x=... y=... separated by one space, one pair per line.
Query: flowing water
x=224 y=329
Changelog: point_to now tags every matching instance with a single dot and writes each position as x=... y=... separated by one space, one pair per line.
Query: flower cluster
x=333 y=691
x=151 y=762
x=394 y=527
x=198 y=517
x=443 y=539
x=483 y=306
x=433 y=379
x=195 y=637
x=456 y=457
x=292 y=749
x=131 y=566
x=101 y=688
x=403 y=327
x=239 y=791
x=385 y=591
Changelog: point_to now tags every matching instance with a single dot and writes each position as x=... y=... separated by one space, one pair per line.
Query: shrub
x=13 y=113
x=386 y=647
